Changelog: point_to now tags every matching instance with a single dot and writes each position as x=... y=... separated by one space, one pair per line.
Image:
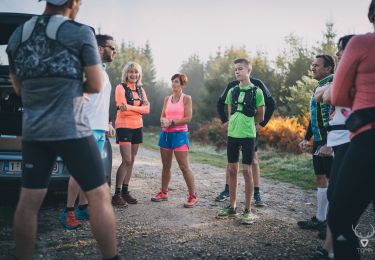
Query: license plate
x=16 y=166
x=12 y=166
x=55 y=168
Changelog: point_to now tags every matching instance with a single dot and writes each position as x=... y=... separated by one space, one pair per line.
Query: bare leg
x=102 y=220
x=328 y=243
x=183 y=162
x=25 y=221
x=73 y=191
x=249 y=185
x=122 y=175
x=233 y=170
x=82 y=198
x=129 y=162
x=166 y=159
x=256 y=170
x=227 y=175
x=321 y=181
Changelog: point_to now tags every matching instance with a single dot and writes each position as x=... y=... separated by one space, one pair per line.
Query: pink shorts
x=182 y=148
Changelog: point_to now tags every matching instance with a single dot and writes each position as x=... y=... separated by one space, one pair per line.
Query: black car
x=11 y=122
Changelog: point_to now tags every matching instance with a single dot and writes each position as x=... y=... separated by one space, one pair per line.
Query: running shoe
x=223 y=196
x=161 y=196
x=312 y=224
x=321 y=254
x=82 y=214
x=246 y=217
x=258 y=200
x=69 y=221
x=227 y=212
x=118 y=201
x=191 y=201
x=129 y=199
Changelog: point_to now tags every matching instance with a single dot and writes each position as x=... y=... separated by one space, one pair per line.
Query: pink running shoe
x=161 y=196
x=191 y=201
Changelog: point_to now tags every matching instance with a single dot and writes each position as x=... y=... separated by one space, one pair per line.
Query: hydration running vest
x=129 y=94
x=41 y=55
x=249 y=101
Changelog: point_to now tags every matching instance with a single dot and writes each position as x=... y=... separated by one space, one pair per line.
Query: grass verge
x=275 y=165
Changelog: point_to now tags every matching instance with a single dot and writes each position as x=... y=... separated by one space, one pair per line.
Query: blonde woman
x=176 y=114
x=132 y=104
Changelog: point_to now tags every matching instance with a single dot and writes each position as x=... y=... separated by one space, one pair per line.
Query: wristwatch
x=172 y=123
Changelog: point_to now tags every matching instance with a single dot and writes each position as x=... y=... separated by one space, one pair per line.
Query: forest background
x=288 y=78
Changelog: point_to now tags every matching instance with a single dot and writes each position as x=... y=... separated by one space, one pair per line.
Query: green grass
x=198 y=153
x=286 y=167
x=275 y=165
x=150 y=141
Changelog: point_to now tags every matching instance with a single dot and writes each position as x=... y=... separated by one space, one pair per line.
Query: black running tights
x=354 y=191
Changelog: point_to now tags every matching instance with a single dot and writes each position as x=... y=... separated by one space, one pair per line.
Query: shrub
x=211 y=132
x=285 y=133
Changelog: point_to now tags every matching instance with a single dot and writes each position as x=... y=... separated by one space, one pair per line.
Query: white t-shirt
x=97 y=106
x=338 y=137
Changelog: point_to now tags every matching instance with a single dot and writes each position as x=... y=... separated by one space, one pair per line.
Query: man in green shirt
x=245 y=109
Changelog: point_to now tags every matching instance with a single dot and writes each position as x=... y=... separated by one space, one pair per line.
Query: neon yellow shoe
x=227 y=212
x=246 y=217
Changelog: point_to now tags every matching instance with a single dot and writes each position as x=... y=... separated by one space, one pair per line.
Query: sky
x=177 y=29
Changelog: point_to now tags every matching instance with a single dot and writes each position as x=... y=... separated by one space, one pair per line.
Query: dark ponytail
x=371 y=11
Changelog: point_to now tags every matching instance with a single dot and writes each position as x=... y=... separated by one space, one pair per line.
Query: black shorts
x=127 y=135
x=233 y=150
x=322 y=165
x=81 y=156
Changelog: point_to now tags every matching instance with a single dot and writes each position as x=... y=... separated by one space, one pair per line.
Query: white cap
x=56 y=2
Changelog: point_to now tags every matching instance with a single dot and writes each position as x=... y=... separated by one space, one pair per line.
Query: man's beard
x=107 y=58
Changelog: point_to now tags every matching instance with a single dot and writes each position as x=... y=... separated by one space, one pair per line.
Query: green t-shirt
x=241 y=126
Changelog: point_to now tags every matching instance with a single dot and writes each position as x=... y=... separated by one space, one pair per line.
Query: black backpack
x=249 y=102
x=129 y=94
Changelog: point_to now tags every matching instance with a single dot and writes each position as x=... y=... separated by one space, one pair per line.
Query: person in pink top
x=354 y=87
x=176 y=114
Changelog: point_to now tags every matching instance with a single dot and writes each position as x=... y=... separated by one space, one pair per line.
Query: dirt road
x=166 y=230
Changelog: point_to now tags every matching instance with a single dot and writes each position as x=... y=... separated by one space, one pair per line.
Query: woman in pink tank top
x=176 y=114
